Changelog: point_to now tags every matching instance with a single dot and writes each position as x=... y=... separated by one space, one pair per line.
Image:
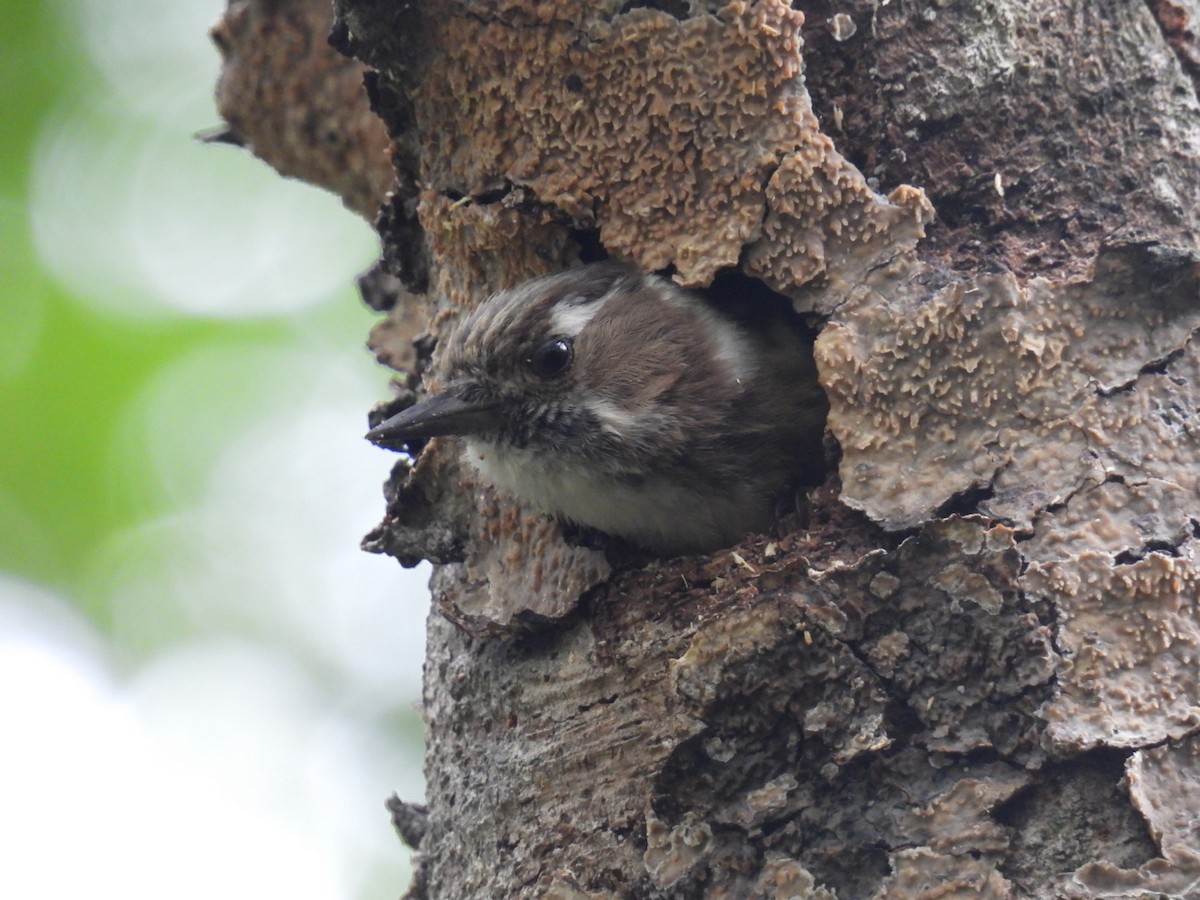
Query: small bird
x=623 y=403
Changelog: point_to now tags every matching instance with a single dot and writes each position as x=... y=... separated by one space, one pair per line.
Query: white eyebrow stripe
x=573 y=314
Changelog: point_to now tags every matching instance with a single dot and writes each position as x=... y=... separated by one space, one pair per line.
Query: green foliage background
x=69 y=479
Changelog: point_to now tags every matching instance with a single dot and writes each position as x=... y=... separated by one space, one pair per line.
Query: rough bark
x=974 y=674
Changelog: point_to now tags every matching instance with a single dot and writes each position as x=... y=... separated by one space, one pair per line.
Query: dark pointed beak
x=444 y=413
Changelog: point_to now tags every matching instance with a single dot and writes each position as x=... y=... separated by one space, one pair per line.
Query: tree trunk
x=974 y=674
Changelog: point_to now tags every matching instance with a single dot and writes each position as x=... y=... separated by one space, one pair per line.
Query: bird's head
x=597 y=363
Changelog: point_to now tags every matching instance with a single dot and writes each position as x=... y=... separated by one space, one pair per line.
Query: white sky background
x=237 y=732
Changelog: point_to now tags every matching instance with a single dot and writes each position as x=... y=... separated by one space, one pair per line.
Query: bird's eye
x=552 y=358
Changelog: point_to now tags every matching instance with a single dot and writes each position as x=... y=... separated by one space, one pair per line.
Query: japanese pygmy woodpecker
x=624 y=403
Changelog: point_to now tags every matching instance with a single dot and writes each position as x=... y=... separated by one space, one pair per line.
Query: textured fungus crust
x=1164 y=784
x=298 y=105
x=824 y=222
x=921 y=874
x=1032 y=391
x=783 y=877
x=519 y=553
x=1076 y=406
x=676 y=138
x=1130 y=641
